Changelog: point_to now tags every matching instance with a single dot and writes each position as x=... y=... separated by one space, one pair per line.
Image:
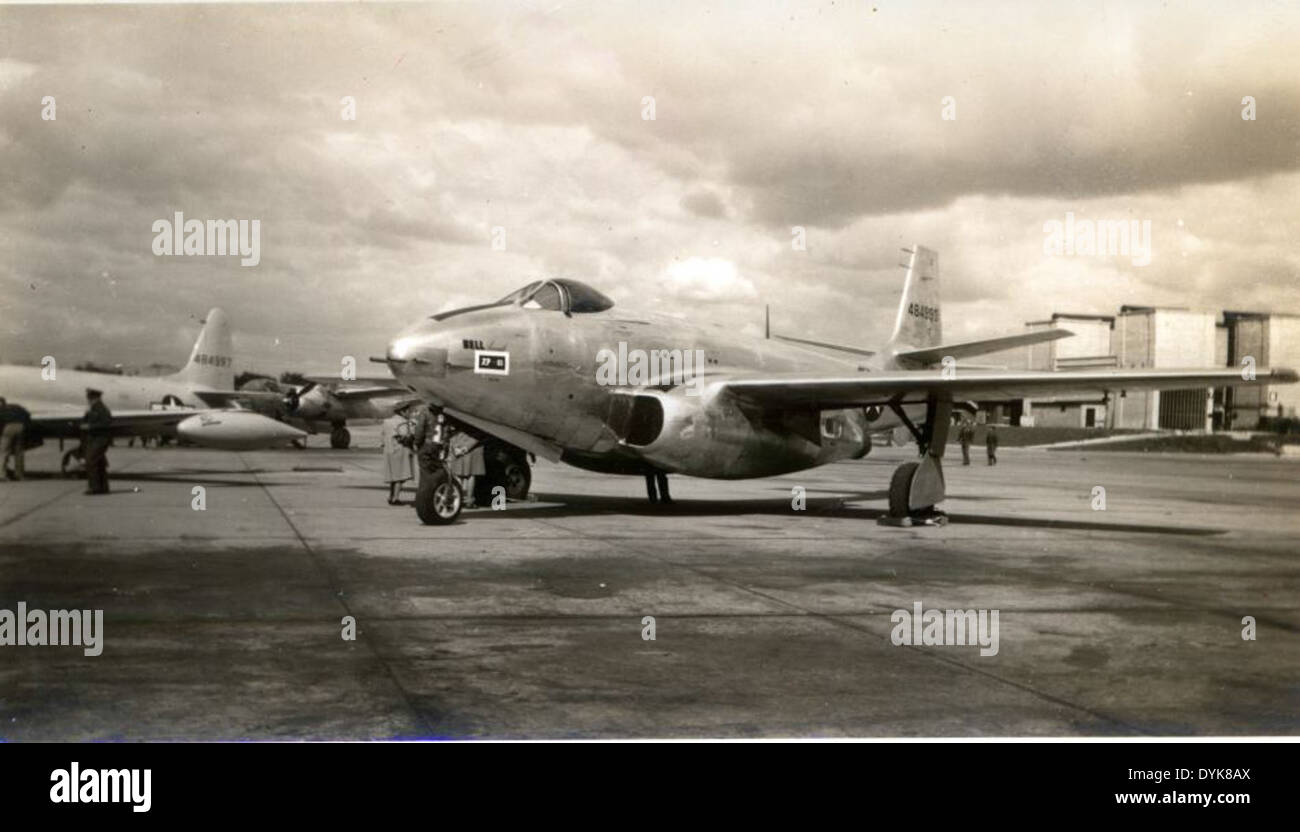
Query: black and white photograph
x=754 y=370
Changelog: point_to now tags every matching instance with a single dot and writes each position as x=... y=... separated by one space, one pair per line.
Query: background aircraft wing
x=378 y=391
x=67 y=423
x=235 y=398
x=370 y=381
x=831 y=392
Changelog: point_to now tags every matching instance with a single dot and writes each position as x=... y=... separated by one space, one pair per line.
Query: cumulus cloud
x=528 y=118
x=706 y=279
x=704 y=203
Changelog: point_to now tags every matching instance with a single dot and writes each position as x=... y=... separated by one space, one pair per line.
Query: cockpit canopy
x=559 y=295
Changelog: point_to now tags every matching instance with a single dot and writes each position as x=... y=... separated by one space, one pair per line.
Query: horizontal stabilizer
x=824 y=345
x=934 y=355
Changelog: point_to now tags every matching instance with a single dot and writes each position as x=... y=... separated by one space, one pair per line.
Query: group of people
x=417 y=437
x=97 y=435
x=966 y=435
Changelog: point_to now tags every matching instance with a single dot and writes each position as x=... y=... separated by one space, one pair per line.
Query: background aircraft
x=323 y=403
x=524 y=371
x=182 y=403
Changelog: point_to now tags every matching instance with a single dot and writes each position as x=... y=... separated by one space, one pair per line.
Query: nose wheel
x=438 y=500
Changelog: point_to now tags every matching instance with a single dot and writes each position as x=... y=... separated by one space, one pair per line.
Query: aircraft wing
x=335 y=381
x=233 y=398
x=66 y=424
x=376 y=392
x=790 y=391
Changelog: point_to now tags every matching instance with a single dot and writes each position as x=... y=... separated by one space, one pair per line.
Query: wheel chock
x=936 y=519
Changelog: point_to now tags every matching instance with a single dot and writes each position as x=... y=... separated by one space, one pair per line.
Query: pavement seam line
x=832 y=619
x=331 y=579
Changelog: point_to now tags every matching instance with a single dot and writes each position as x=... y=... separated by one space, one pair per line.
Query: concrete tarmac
x=227 y=623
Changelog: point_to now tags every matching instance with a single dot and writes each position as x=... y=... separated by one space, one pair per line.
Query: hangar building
x=1089 y=349
x=1271 y=340
x=1158 y=337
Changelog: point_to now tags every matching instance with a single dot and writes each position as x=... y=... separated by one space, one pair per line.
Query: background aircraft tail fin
x=212 y=361
x=918 y=324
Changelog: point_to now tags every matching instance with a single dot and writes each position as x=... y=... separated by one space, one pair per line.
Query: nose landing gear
x=440 y=498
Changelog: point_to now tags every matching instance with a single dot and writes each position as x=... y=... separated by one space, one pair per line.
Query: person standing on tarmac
x=468 y=465
x=98 y=424
x=429 y=438
x=14 y=423
x=656 y=488
x=991 y=444
x=396 y=443
x=966 y=435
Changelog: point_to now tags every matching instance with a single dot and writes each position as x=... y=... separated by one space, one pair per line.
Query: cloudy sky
x=531 y=117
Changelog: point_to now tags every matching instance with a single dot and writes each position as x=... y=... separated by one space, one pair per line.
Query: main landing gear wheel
x=517 y=477
x=506 y=468
x=917 y=487
x=340 y=438
x=900 y=486
x=438 y=500
x=914 y=491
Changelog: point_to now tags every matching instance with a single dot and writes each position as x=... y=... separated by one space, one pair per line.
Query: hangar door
x=1182 y=409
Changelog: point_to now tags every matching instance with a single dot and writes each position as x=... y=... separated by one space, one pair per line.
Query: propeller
x=294 y=397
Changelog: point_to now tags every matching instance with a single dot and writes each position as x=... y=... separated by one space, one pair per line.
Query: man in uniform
x=991 y=443
x=656 y=488
x=966 y=435
x=14 y=422
x=428 y=437
x=98 y=426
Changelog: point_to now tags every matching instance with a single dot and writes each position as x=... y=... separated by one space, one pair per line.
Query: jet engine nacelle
x=711 y=435
x=314 y=402
x=236 y=430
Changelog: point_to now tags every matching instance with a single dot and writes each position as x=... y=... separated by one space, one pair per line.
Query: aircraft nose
x=420 y=348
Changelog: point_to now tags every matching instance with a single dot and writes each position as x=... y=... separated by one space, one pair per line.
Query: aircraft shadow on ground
x=580 y=505
x=194 y=478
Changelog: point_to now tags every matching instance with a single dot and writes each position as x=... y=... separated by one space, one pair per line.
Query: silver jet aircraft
x=190 y=403
x=557 y=370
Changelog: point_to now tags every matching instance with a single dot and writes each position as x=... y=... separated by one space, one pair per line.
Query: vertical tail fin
x=918 y=323
x=211 y=361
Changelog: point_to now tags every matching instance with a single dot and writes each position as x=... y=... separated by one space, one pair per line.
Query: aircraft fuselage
x=538 y=371
x=67 y=390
